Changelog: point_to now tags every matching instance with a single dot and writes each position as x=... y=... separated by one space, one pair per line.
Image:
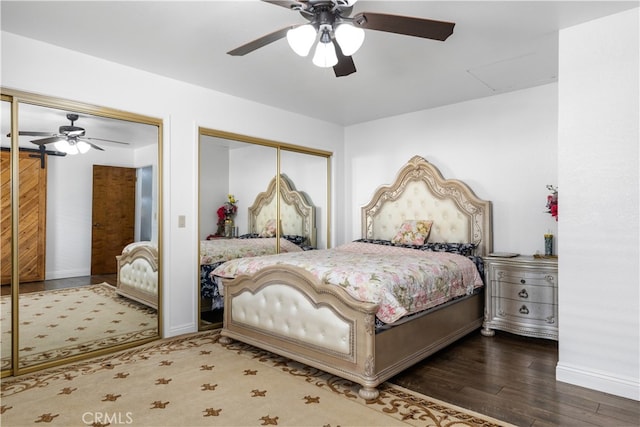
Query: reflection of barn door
x=114 y=200
x=33 y=207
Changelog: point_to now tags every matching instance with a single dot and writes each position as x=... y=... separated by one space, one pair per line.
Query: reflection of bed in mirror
x=297 y=233
x=362 y=310
x=138 y=273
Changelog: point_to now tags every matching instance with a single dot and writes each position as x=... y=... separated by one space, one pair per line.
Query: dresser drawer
x=526 y=277
x=525 y=311
x=523 y=293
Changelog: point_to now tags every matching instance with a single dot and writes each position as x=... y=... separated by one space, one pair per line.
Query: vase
x=548 y=244
x=228 y=227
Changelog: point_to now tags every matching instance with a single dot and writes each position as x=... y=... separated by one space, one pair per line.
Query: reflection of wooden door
x=114 y=199
x=32 y=222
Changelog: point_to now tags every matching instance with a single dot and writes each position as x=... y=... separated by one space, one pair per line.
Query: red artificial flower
x=552 y=201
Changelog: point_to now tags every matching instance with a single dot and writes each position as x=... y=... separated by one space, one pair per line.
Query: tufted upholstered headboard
x=297 y=214
x=420 y=192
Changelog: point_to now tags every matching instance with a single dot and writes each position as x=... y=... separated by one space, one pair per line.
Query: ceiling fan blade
x=29 y=133
x=48 y=140
x=345 y=65
x=406 y=25
x=261 y=42
x=90 y=143
x=291 y=4
x=107 y=140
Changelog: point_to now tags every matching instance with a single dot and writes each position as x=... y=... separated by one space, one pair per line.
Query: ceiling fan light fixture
x=349 y=38
x=62 y=145
x=301 y=39
x=82 y=146
x=73 y=148
x=325 y=55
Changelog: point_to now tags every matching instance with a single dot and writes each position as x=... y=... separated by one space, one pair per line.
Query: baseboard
x=64 y=274
x=627 y=387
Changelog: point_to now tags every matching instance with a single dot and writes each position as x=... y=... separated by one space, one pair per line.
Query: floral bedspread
x=402 y=281
x=217 y=250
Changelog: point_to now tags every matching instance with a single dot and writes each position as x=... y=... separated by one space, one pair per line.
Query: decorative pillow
x=269 y=229
x=414 y=232
x=465 y=249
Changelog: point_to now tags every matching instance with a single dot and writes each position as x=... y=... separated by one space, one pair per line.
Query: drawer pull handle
x=523 y=281
x=523 y=294
x=524 y=310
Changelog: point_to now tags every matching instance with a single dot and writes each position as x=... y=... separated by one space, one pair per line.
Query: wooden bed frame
x=283 y=309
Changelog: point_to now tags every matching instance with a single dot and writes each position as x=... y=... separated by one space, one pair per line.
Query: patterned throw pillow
x=414 y=232
x=269 y=229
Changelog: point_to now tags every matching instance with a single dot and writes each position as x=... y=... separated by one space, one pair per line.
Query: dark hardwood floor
x=69 y=282
x=512 y=378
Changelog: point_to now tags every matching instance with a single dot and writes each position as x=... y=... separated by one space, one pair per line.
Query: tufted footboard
x=138 y=273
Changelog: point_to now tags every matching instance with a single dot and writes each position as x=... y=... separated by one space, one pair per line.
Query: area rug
x=66 y=322
x=194 y=380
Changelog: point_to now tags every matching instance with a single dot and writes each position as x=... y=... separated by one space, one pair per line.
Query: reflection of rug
x=66 y=322
x=193 y=380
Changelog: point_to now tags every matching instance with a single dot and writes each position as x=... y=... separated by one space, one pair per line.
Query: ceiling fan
x=329 y=21
x=69 y=139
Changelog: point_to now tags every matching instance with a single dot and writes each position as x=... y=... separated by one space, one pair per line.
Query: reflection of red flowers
x=228 y=210
x=552 y=201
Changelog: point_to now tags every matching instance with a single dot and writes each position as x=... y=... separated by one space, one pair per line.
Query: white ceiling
x=119 y=133
x=496 y=47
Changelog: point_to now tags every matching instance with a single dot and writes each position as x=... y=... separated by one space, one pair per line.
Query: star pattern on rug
x=209 y=387
x=309 y=399
x=269 y=421
x=111 y=397
x=210 y=412
x=159 y=405
x=46 y=418
x=67 y=390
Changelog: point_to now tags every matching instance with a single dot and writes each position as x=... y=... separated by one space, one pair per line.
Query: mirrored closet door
x=86 y=184
x=257 y=197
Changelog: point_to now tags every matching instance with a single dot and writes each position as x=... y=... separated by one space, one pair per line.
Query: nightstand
x=521 y=296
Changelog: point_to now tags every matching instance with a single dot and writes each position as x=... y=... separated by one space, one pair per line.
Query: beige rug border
x=389 y=385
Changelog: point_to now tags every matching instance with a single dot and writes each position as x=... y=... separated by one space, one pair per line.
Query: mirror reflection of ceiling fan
x=70 y=139
x=329 y=21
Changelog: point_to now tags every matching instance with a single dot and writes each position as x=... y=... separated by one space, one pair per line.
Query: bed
x=297 y=231
x=286 y=309
x=137 y=273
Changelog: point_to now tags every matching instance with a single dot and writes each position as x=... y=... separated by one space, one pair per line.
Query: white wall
x=69 y=209
x=504 y=147
x=214 y=183
x=245 y=187
x=183 y=108
x=598 y=161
